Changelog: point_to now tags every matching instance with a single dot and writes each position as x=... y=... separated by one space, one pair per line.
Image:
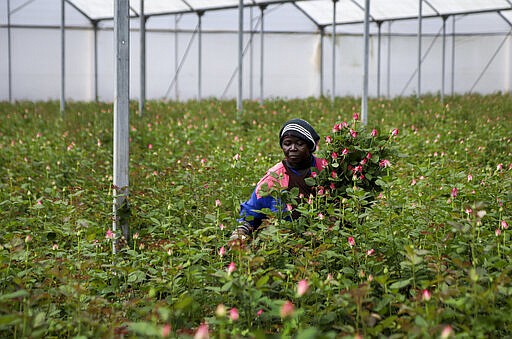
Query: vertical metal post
x=142 y=30
x=121 y=118
x=364 y=103
x=262 y=54
x=453 y=56
x=443 y=61
x=62 y=58
x=239 y=104
x=176 y=62
x=388 y=85
x=9 y=66
x=199 y=55
x=379 y=58
x=95 y=33
x=420 y=21
x=251 y=54
x=322 y=37
x=333 y=94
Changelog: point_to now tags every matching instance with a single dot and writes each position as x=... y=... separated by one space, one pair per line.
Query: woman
x=298 y=140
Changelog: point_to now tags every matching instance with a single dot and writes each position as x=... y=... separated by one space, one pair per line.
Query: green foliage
x=430 y=258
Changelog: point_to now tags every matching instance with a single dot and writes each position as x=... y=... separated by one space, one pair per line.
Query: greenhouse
x=256 y=169
x=285 y=49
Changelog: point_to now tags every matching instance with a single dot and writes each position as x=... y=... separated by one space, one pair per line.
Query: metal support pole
x=420 y=21
x=142 y=27
x=333 y=94
x=176 y=58
x=262 y=54
x=62 y=59
x=121 y=119
x=9 y=65
x=95 y=33
x=199 y=55
x=388 y=85
x=322 y=37
x=443 y=61
x=453 y=55
x=379 y=58
x=251 y=55
x=239 y=104
x=364 y=103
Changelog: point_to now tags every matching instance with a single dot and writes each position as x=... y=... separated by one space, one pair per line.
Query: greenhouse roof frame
x=319 y=11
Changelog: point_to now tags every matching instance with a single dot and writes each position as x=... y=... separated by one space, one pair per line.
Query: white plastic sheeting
x=292 y=44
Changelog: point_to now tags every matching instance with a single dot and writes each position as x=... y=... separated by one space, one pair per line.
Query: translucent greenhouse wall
x=291 y=64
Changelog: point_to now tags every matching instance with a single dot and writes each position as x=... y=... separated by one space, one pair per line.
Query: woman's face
x=296 y=151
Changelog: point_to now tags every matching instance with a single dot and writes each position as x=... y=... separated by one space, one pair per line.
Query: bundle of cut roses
x=357 y=158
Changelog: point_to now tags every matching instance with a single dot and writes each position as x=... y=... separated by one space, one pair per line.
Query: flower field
x=420 y=246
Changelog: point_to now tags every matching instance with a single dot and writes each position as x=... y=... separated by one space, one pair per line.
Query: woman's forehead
x=292 y=138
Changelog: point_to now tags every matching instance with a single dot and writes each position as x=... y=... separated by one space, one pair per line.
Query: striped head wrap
x=301 y=129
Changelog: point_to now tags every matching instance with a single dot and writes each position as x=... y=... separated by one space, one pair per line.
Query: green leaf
x=262 y=281
x=14 y=295
x=400 y=284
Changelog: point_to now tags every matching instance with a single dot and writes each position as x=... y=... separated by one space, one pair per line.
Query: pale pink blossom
x=454 y=192
x=166 y=330
x=351 y=241
x=231 y=267
x=334 y=155
x=394 y=132
x=110 y=234
x=497 y=232
x=236 y=157
x=233 y=314
x=355 y=116
x=222 y=251
x=313 y=174
x=202 y=332
x=302 y=287
x=353 y=133
x=332 y=186
x=470 y=177
x=217 y=203
x=499 y=167
x=260 y=312
x=374 y=133
x=384 y=163
x=425 y=295
x=55 y=247
x=504 y=224
x=150 y=146
x=345 y=151
x=447 y=332
x=328 y=139
x=370 y=252
x=334 y=174
x=287 y=309
x=221 y=227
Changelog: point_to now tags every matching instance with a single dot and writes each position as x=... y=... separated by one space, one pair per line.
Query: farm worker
x=298 y=140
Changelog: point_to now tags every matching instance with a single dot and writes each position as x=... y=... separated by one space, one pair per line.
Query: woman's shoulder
x=273 y=173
